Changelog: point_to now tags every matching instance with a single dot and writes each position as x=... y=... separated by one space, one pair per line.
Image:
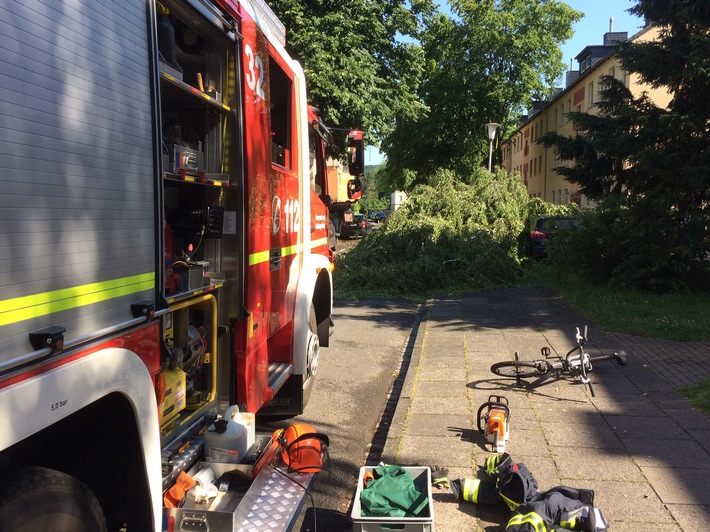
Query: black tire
x=516 y=369
x=35 y=499
x=312 y=344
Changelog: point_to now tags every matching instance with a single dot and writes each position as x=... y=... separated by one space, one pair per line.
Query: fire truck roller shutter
x=78 y=172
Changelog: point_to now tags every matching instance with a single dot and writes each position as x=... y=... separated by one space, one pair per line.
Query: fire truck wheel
x=313 y=352
x=35 y=499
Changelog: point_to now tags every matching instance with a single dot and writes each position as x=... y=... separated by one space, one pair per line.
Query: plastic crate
x=422 y=523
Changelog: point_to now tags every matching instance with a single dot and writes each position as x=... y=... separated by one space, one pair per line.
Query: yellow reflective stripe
x=510 y=502
x=263 y=256
x=26 y=307
x=530 y=518
x=258 y=258
x=318 y=243
x=289 y=250
x=492 y=465
x=470 y=489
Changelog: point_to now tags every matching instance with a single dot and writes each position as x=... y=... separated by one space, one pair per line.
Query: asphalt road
x=349 y=402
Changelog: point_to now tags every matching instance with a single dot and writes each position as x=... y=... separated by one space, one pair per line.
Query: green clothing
x=392 y=493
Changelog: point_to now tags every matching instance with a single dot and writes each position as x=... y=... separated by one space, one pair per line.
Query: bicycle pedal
x=545 y=351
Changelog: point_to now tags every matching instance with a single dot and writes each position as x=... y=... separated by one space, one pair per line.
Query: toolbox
x=422 y=523
x=252 y=497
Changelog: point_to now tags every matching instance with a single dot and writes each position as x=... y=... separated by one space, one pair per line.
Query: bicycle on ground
x=577 y=363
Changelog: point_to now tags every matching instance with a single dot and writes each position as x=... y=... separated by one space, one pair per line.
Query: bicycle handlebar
x=620 y=358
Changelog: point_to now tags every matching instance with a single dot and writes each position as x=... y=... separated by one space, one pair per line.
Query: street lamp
x=492 y=128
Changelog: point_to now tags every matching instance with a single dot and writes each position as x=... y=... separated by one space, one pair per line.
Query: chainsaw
x=494 y=420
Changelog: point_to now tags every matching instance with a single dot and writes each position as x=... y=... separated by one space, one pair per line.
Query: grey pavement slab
x=434 y=450
x=683 y=454
x=578 y=468
x=679 y=486
x=632 y=506
x=691 y=518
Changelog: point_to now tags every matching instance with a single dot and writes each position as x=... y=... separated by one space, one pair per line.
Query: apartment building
x=536 y=164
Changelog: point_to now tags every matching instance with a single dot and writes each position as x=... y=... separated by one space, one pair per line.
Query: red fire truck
x=164 y=233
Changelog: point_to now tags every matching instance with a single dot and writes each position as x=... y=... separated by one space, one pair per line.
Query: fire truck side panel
x=77 y=223
x=310 y=282
x=274 y=157
x=250 y=345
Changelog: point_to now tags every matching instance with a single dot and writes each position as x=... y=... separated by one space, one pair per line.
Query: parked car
x=376 y=216
x=545 y=227
x=356 y=228
x=380 y=216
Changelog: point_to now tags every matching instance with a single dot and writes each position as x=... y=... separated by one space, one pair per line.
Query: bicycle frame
x=576 y=363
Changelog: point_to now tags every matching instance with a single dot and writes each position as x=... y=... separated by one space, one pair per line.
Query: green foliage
x=373 y=197
x=632 y=249
x=485 y=65
x=359 y=70
x=649 y=167
x=449 y=236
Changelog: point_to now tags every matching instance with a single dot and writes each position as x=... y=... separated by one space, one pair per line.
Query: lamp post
x=492 y=128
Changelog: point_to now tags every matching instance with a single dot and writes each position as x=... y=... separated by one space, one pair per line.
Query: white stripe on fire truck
x=26 y=307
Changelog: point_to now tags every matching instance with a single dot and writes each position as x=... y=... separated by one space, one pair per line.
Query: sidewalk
x=638 y=443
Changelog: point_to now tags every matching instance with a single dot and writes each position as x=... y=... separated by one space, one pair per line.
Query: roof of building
x=574 y=77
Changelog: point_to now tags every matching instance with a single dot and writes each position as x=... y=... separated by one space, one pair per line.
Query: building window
x=590 y=96
x=553 y=196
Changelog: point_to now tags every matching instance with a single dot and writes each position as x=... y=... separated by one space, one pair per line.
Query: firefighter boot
x=475 y=490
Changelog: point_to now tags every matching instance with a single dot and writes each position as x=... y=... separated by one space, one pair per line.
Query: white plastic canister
x=225 y=441
x=243 y=418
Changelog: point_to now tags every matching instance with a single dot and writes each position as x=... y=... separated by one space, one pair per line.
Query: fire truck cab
x=164 y=227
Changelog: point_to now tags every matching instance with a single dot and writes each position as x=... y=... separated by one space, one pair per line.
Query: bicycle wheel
x=516 y=369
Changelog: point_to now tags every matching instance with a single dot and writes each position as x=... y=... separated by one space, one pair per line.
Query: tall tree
x=484 y=64
x=361 y=62
x=649 y=166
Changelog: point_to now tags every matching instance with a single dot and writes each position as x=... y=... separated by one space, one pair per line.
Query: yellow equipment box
x=175 y=400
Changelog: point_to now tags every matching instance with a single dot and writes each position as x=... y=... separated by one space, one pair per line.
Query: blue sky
x=589 y=30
